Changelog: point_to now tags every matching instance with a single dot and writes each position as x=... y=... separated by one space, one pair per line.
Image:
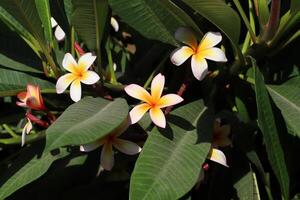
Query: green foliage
x=173 y=154
x=98 y=117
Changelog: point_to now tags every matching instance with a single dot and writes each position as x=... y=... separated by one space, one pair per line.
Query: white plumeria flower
x=205 y=50
x=110 y=141
x=78 y=73
x=58 y=33
x=217 y=156
x=153 y=102
x=114 y=23
x=26 y=130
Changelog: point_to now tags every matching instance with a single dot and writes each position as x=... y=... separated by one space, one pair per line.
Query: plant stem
x=245 y=19
x=10 y=131
x=29 y=138
x=72 y=41
x=113 y=79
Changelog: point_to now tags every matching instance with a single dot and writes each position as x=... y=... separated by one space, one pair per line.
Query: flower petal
x=138 y=92
x=137 y=112
x=127 y=147
x=22 y=96
x=209 y=40
x=114 y=23
x=85 y=61
x=75 y=90
x=218 y=156
x=157 y=86
x=214 y=54
x=169 y=100
x=34 y=99
x=199 y=67
x=158 y=117
x=59 y=33
x=63 y=82
x=181 y=54
x=89 y=147
x=89 y=77
x=69 y=63
x=107 y=156
x=27 y=128
x=186 y=36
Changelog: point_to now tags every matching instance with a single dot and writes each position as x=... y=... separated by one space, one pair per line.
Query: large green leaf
x=43 y=8
x=287 y=98
x=86 y=121
x=266 y=122
x=170 y=162
x=295 y=6
x=220 y=14
x=15 y=65
x=247 y=187
x=32 y=170
x=25 y=12
x=89 y=18
x=155 y=19
x=12 y=82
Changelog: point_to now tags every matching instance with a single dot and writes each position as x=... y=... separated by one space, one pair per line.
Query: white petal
x=199 y=67
x=214 y=54
x=157 y=86
x=127 y=147
x=53 y=22
x=90 y=77
x=181 y=54
x=59 y=33
x=186 y=36
x=209 y=40
x=218 y=156
x=107 y=156
x=137 y=112
x=114 y=23
x=69 y=62
x=89 y=147
x=138 y=92
x=169 y=100
x=26 y=130
x=75 y=90
x=158 y=117
x=86 y=60
x=63 y=82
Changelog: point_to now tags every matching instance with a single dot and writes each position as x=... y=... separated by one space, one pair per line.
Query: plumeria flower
x=32 y=98
x=217 y=156
x=110 y=141
x=58 y=33
x=26 y=130
x=114 y=23
x=199 y=52
x=221 y=134
x=79 y=73
x=153 y=102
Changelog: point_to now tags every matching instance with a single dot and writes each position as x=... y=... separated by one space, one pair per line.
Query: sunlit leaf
x=171 y=160
x=85 y=121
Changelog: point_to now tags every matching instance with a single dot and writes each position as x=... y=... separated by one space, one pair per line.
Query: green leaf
x=43 y=9
x=287 y=97
x=12 y=82
x=170 y=162
x=242 y=109
x=154 y=19
x=266 y=122
x=88 y=18
x=86 y=121
x=247 y=187
x=15 y=65
x=220 y=14
x=31 y=171
x=25 y=12
x=263 y=12
x=295 y=6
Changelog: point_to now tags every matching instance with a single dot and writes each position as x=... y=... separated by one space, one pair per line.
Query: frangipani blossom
x=110 y=141
x=153 y=102
x=217 y=156
x=79 y=73
x=32 y=98
x=58 y=33
x=199 y=52
x=114 y=23
x=26 y=130
x=221 y=134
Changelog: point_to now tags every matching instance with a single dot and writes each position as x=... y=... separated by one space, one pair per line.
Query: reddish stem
x=36 y=120
x=78 y=48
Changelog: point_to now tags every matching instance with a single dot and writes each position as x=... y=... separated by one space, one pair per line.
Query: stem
x=10 y=131
x=248 y=79
x=29 y=138
x=245 y=19
x=113 y=78
x=72 y=41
